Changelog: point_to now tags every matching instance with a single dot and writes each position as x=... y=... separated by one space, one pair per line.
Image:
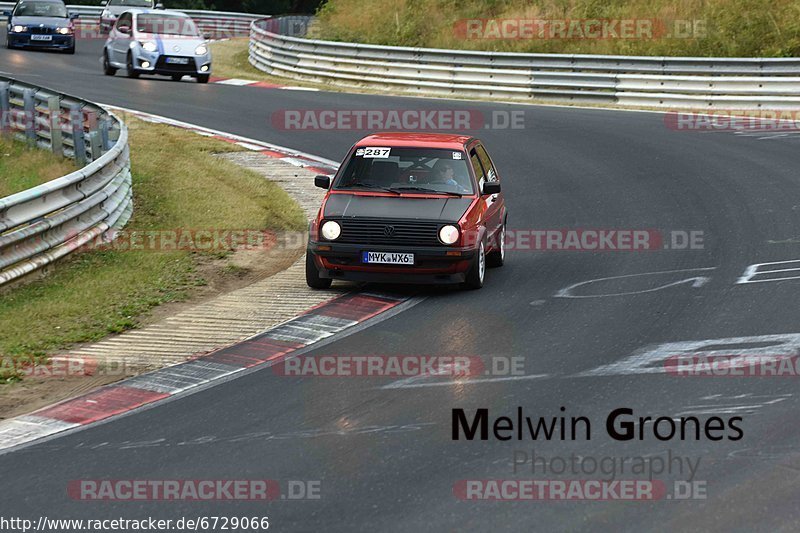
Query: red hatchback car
x=409 y=208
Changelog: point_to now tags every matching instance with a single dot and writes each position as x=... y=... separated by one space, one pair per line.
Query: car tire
x=130 y=71
x=477 y=271
x=497 y=257
x=70 y=50
x=108 y=70
x=313 y=278
x=203 y=78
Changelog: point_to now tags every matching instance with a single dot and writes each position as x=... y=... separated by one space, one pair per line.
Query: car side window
x=491 y=173
x=125 y=20
x=478 y=167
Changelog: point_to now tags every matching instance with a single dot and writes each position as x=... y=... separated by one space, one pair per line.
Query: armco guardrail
x=216 y=24
x=43 y=224
x=277 y=46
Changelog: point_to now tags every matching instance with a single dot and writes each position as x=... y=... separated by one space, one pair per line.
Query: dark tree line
x=267 y=7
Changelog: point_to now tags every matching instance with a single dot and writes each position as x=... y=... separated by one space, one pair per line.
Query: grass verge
x=23 y=167
x=178 y=184
x=726 y=28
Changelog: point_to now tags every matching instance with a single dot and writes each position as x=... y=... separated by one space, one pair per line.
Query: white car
x=112 y=9
x=145 y=41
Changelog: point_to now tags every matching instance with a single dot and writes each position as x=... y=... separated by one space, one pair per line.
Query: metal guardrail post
x=30 y=115
x=76 y=117
x=95 y=145
x=56 y=138
x=105 y=137
x=5 y=107
x=92 y=124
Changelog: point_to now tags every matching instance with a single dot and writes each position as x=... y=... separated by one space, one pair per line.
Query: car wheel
x=70 y=50
x=313 y=278
x=203 y=78
x=131 y=72
x=108 y=70
x=497 y=257
x=477 y=271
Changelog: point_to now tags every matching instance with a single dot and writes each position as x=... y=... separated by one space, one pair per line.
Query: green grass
x=22 y=167
x=230 y=60
x=177 y=183
x=734 y=28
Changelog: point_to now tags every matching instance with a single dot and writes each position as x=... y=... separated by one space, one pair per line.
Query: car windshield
x=32 y=8
x=407 y=170
x=131 y=3
x=166 y=25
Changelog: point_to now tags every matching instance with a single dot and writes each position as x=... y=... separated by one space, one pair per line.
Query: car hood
x=448 y=209
x=36 y=21
x=174 y=45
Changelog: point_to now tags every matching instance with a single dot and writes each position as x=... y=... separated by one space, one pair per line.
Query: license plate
x=178 y=60
x=41 y=37
x=387 y=258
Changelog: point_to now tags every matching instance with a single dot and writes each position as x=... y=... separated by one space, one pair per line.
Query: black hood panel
x=396 y=208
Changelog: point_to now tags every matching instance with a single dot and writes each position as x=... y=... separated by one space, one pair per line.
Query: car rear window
x=166 y=25
x=409 y=170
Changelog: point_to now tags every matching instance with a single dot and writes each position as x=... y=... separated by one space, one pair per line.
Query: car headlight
x=201 y=50
x=149 y=46
x=331 y=230
x=19 y=29
x=448 y=234
x=64 y=31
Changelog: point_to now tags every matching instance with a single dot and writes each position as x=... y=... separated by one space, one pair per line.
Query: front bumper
x=432 y=265
x=59 y=42
x=157 y=64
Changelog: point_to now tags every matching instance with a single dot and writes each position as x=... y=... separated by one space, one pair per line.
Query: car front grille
x=36 y=30
x=174 y=67
x=389 y=232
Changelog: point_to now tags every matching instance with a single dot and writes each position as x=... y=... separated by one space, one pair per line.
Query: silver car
x=112 y=9
x=145 y=41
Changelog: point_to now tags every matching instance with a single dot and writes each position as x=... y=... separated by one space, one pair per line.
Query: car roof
x=417 y=140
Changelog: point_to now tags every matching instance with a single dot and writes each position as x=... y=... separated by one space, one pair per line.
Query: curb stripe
x=99 y=404
x=320 y=322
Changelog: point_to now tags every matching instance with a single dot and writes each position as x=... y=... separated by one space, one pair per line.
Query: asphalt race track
x=384 y=456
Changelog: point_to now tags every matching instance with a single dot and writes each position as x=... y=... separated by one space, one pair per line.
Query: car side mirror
x=124 y=29
x=7 y=14
x=491 y=187
x=323 y=182
x=207 y=36
x=73 y=16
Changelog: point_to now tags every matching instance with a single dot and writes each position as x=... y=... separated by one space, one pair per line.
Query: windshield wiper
x=369 y=186
x=423 y=189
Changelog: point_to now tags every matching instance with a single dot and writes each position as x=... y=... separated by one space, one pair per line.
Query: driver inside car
x=444 y=173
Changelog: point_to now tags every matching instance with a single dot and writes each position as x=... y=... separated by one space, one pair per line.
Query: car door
x=494 y=202
x=121 y=41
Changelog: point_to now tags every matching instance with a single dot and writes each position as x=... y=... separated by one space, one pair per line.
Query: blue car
x=41 y=24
